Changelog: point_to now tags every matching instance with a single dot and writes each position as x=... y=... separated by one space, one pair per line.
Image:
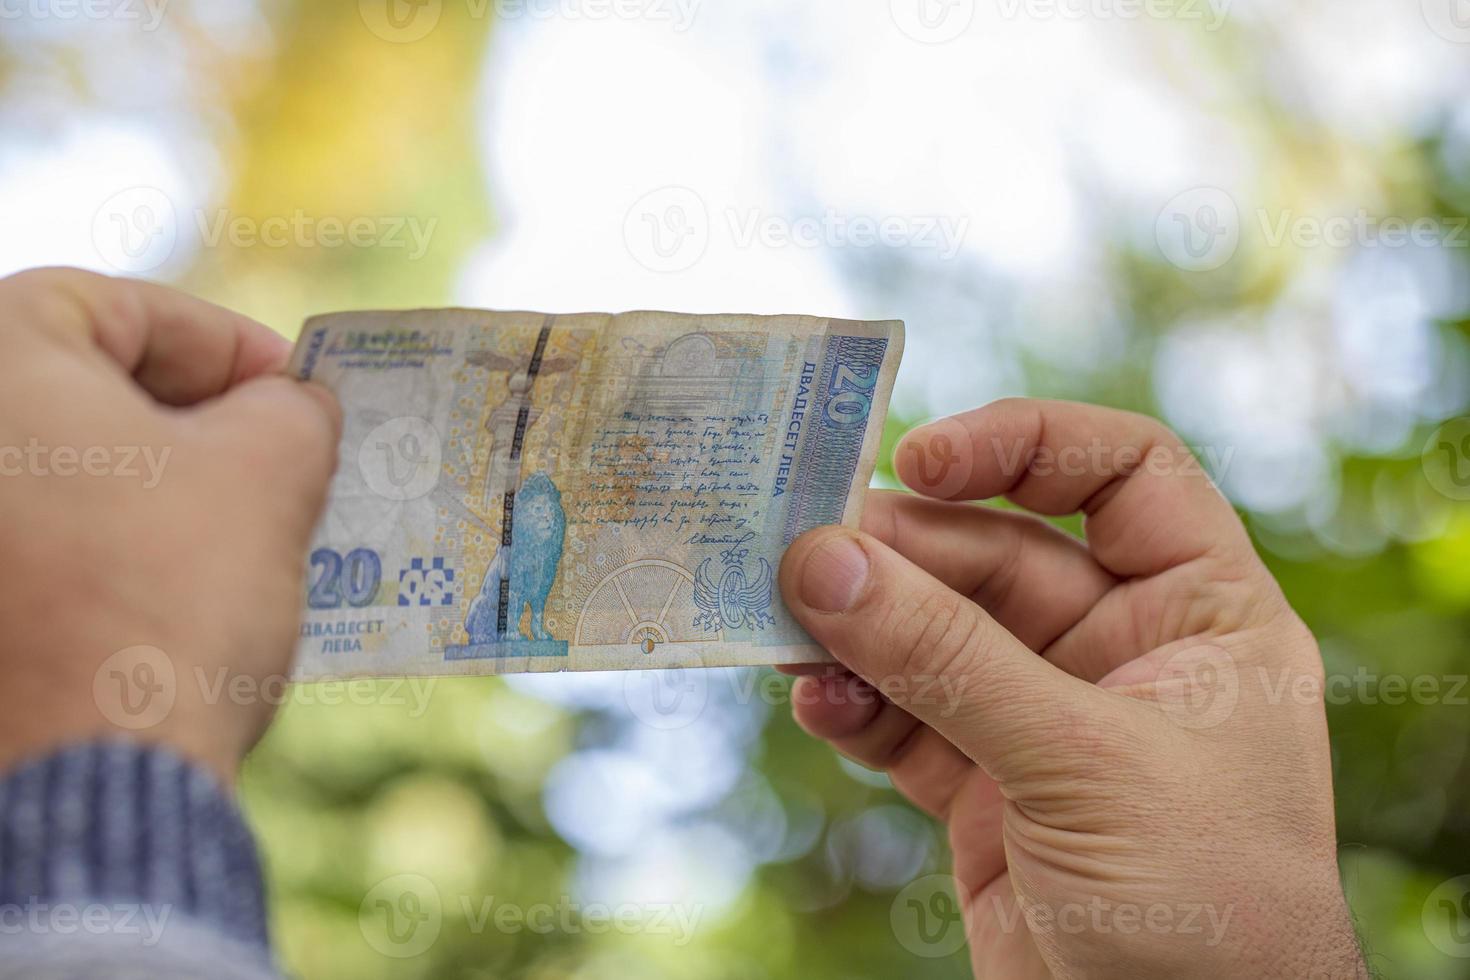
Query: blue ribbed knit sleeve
x=118 y=858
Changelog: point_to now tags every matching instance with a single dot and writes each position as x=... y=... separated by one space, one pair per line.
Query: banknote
x=528 y=492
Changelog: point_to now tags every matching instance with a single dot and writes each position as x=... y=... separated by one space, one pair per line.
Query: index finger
x=178 y=348
x=1150 y=506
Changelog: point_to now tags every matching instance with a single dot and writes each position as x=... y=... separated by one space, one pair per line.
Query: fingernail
x=834 y=574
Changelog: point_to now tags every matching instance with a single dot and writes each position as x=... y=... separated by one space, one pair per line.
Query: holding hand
x=1139 y=728
x=159 y=481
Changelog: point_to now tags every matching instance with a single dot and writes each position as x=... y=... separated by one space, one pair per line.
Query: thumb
x=283 y=433
x=935 y=653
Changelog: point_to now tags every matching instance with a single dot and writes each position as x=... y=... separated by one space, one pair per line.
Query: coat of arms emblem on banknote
x=520 y=491
x=729 y=597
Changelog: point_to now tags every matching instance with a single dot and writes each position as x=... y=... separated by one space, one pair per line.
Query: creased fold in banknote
x=526 y=492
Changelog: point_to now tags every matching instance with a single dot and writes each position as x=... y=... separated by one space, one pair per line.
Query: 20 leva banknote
x=526 y=492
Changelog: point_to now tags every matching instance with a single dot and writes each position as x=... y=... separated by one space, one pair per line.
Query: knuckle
x=1151 y=431
x=69 y=299
x=935 y=636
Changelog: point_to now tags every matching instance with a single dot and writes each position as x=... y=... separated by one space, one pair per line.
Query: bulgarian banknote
x=525 y=492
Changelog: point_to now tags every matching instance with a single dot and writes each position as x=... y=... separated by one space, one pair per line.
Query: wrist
x=1307 y=934
x=1327 y=948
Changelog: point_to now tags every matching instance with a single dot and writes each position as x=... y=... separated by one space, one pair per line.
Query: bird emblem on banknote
x=733 y=600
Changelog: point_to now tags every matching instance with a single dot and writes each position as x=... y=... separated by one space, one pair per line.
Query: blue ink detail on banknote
x=733 y=601
x=524 y=577
x=851 y=368
x=426 y=585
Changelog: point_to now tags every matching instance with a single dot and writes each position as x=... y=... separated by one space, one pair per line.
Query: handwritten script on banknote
x=527 y=492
